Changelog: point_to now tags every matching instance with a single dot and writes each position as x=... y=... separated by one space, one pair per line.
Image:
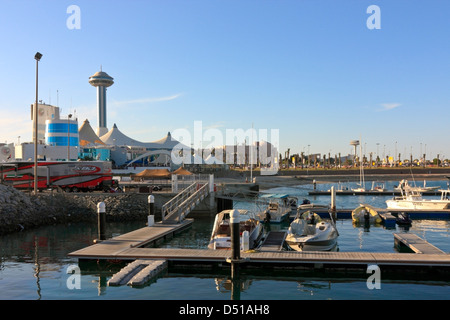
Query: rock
x=17 y=207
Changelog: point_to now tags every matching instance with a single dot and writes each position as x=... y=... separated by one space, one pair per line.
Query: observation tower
x=101 y=80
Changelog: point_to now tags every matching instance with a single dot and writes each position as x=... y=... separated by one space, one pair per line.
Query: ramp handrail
x=180 y=205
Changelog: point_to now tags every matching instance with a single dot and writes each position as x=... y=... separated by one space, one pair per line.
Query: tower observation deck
x=101 y=80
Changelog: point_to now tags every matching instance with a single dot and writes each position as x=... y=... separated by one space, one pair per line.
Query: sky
x=320 y=72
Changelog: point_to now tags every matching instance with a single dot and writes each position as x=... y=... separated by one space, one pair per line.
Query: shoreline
x=268 y=182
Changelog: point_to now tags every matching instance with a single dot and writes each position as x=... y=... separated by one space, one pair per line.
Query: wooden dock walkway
x=417 y=244
x=367 y=193
x=414 y=214
x=315 y=259
x=138 y=238
x=130 y=247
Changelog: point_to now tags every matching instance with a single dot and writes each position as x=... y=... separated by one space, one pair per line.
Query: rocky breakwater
x=20 y=210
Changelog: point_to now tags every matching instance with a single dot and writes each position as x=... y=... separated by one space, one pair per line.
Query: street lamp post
x=38 y=57
x=68 y=136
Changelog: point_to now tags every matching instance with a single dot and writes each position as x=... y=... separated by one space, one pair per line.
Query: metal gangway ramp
x=176 y=209
x=274 y=241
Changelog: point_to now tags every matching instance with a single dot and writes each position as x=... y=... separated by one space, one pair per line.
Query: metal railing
x=184 y=202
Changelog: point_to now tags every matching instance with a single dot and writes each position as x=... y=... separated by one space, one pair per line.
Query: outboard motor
x=366 y=216
x=267 y=216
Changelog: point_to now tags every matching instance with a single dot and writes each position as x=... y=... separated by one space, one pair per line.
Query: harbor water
x=34 y=263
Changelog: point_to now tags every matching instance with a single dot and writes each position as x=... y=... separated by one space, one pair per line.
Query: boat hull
x=221 y=242
x=221 y=233
x=417 y=205
x=319 y=237
x=365 y=213
x=275 y=217
x=322 y=245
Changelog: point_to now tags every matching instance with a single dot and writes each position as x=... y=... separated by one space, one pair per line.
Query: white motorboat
x=221 y=233
x=378 y=186
x=308 y=232
x=366 y=213
x=412 y=199
x=278 y=209
x=307 y=206
x=404 y=185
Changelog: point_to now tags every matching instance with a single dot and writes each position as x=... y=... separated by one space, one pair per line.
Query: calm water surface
x=34 y=263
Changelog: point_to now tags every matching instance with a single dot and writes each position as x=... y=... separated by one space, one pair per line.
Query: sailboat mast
x=361 y=178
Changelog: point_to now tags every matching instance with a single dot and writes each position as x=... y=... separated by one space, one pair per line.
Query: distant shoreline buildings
x=61 y=139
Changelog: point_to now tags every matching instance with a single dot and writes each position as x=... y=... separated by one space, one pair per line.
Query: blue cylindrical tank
x=61 y=132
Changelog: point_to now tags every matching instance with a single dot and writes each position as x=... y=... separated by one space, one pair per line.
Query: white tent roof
x=87 y=136
x=116 y=137
x=165 y=143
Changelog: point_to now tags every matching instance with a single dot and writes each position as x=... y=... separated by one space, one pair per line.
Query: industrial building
x=62 y=139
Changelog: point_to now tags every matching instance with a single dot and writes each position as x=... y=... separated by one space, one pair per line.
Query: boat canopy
x=275 y=195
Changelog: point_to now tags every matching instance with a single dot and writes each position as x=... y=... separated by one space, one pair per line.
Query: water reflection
x=32 y=262
x=37 y=268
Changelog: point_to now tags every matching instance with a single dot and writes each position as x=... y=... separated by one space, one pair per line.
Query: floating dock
x=131 y=246
x=366 y=193
x=146 y=236
x=414 y=214
x=138 y=272
x=416 y=244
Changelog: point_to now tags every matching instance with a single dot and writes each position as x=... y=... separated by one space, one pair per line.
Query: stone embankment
x=19 y=210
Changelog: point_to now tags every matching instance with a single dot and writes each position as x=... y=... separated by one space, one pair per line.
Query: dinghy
x=365 y=213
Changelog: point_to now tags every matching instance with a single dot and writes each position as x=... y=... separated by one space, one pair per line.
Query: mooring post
x=101 y=216
x=151 y=211
x=235 y=243
x=235 y=239
x=333 y=202
x=333 y=198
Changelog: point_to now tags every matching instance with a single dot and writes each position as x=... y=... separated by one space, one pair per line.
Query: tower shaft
x=101 y=105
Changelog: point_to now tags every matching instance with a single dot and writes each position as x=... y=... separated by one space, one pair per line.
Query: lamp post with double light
x=38 y=57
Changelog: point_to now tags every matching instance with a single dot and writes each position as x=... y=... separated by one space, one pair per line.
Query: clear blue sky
x=310 y=68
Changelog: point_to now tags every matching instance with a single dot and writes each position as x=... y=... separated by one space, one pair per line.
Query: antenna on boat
x=251 y=158
x=361 y=163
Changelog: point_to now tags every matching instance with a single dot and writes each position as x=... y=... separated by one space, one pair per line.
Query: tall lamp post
x=38 y=57
x=68 y=136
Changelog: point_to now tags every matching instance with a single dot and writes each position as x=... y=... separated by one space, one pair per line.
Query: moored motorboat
x=366 y=214
x=309 y=232
x=278 y=208
x=413 y=200
x=378 y=186
x=221 y=233
x=404 y=185
x=307 y=205
x=403 y=219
